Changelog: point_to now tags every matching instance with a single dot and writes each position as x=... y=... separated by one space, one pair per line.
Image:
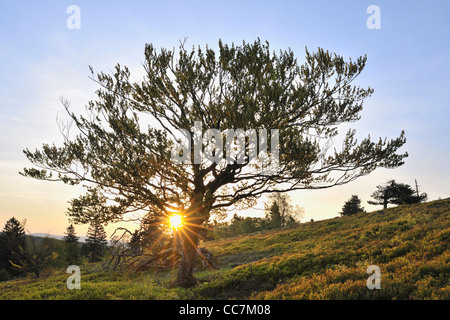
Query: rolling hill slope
x=329 y=259
x=317 y=260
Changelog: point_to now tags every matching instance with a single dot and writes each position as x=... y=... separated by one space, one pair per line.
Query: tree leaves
x=244 y=87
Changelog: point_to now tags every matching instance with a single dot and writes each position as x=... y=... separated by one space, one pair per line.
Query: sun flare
x=175 y=221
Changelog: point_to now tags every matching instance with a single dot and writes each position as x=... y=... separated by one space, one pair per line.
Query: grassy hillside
x=316 y=260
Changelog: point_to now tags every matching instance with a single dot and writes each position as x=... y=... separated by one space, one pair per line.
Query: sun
x=175 y=221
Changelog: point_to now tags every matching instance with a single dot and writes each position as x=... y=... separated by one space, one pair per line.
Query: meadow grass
x=326 y=259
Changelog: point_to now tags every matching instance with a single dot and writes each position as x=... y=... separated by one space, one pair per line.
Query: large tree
x=125 y=141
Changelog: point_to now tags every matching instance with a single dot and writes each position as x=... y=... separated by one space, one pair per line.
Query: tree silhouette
x=70 y=235
x=396 y=193
x=125 y=141
x=96 y=241
x=13 y=244
x=352 y=206
x=72 y=248
x=37 y=255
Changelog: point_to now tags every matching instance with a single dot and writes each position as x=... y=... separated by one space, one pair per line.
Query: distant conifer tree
x=352 y=206
x=70 y=235
x=12 y=244
x=72 y=247
x=96 y=241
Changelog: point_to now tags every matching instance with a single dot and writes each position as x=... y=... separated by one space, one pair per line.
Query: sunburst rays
x=185 y=231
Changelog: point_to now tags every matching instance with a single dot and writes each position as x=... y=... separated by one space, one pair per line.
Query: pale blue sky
x=41 y=60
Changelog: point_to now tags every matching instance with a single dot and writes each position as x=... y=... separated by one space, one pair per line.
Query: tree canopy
x=352 y=206
x=396 y=193
x=280 y=212
x=13 y=244
x=124 y=143
x=96 y=242
x=72 y=248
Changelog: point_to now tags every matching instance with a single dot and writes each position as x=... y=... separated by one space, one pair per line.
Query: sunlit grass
x=316 y=260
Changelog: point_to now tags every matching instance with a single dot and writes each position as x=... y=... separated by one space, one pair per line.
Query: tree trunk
x=385 y=200
x=189 y=244
x=186 y=270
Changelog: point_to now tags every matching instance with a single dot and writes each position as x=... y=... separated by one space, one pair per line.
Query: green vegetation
x=328 y=259
x=352 y=206
x=279 y=213
x=201 y=96
x=397 y=193
x=22 y=255
x=316 y=260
